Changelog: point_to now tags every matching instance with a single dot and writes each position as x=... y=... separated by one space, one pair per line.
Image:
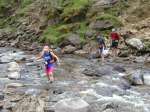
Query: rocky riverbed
x=81 y=85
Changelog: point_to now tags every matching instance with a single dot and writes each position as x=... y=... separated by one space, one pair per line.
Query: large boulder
x=135 y=77
x=89 y=33
x=116 y=104
x=69 y=49
x=71 y=39
x=14 y=70
x=13 y=66
x=135 y=43
x=10 y=56
x=72 y=105
x=94 y=71
x=101 y=25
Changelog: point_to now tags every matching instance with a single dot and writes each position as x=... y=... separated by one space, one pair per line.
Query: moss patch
x=25 y=3
x=83 y=28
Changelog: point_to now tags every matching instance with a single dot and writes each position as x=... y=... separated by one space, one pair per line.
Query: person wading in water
x=50 y=58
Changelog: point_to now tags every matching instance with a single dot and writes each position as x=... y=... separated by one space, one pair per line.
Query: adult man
x=114 y=39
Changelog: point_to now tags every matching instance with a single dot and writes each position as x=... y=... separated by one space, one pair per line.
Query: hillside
x=50 y=21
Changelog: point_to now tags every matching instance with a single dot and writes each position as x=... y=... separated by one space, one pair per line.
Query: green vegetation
x=25 y=3
x=82 y=30
x=4 y=3
x=55 y=34
x=51 y=35
x=69 y=16
x=74 y=6
x=114 y=20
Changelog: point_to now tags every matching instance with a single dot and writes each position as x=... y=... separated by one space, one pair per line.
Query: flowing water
x=71 y=81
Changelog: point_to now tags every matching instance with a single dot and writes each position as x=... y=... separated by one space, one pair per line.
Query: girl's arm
x=54 y=55
x=40 y=56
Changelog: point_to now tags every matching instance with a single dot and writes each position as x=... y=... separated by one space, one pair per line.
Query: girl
x=101 y=45
x=50 y=58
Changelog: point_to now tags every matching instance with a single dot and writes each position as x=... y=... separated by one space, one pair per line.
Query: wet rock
x=101 y=25
x=14 y=85
x=124 y=53
x=81 y=53
x=105 y=89
x=135 y=43
x=64 y=95
x=13 y=66
x=135 y=77
x=119 y=69
x=146 y=78
x=11 y=56
x=93 y=71
x=140 y=59
x=69 y=49
x=58 y=50
x=14 y=70
x=147 y=60
x=90 y=95
x=1 y=96
x=58 y=91
x=115 y=104
x=72 y=105
x=32 y=91
x=94 y=55
x=14 y=75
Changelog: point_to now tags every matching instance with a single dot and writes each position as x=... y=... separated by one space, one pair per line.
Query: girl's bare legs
x=102 y=58
x=114 y=53
x=51 y=77
x=48 y=77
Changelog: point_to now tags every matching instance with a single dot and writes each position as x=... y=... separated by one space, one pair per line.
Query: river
x=103 y=87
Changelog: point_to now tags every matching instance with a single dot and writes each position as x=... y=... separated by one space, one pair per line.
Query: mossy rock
x=147 y=46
